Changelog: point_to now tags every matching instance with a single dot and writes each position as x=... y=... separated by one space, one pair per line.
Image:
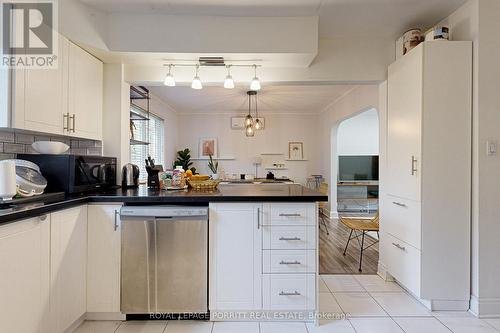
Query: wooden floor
x=331 y=248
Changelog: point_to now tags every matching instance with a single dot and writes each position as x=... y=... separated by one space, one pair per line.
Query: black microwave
x=75 y=173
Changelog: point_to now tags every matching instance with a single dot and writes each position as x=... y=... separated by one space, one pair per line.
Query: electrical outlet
x=491 y=147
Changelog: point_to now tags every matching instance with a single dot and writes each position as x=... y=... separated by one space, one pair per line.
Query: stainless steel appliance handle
x=258 y=218
x=289 y=239
x=399 y=204
x=402 y=248
x=290 y=215
x=295 y=293
x=290 y=262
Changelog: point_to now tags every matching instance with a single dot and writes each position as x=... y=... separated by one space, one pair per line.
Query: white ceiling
x=297 y=99
x=338 y=18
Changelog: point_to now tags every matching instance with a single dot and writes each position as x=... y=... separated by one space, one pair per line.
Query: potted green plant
x=184 y=160
x=213 y=166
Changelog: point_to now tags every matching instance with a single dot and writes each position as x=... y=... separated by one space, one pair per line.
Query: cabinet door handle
x=402 y=248
x=295 y=293
x=117 y=213
x=258 y=218
x=289 y=239
x=290 y=215
x=73 y=120
x=290 y=262
x=413 y=165
x=66 y=121
x=399 y=204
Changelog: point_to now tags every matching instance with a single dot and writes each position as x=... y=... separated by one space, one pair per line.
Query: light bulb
x=229 y=82
x=255 y=85
x=248 y=120
x=196 y=84
x=169 y=80
x=249 y=131
x=258 y=124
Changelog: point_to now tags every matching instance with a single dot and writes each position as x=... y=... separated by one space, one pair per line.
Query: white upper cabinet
x=68 y=258
x=404 y=125
x=24 y=277
x=235 y=257
x=103 y=258
x=85 y=94
x=62 y=101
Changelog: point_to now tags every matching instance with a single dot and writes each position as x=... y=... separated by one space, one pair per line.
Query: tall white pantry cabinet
x=425 y=210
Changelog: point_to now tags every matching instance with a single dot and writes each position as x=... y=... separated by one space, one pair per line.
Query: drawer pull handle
x=402 y=248
x=399 y=204
x=290 y=262
x=290 y=215
x=289 y=238
x=295 y=293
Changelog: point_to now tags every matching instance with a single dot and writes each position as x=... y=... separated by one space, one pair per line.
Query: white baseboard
x=75 y=325
x=446 y=305
x=382 y=272
x=105 y=316
x=334 y=214
x=485 y=307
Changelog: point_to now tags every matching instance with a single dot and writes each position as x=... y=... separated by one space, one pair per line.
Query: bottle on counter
x=178 y=179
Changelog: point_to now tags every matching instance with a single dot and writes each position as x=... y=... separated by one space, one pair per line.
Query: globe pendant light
x=169 y=79
x=249 y=131
x=255 y=84
x=229 y=82
x=196 y=84
x=258 y=124
x=249 y=119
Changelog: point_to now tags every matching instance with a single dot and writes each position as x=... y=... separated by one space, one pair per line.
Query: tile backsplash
x=13 y=143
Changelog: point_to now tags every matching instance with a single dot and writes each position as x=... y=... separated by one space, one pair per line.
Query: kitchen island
x=262 y=255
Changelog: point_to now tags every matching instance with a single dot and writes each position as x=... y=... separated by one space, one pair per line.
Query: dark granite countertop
x=143 y=195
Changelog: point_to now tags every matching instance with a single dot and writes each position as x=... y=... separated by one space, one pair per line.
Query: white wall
x=478 y=21
x=280 y=129
x=359 y=99
x=359 y=135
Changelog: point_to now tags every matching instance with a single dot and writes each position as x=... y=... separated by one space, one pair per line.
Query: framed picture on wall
x=296 y=150
x=207 y=147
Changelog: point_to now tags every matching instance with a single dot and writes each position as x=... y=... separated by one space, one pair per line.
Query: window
x=147 y=131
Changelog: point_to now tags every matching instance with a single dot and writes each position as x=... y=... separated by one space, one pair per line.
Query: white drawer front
x=290 y=214
x=289 y=238
x=289 y=292
x=402 y=218
x=289 y=261
x=403 y=262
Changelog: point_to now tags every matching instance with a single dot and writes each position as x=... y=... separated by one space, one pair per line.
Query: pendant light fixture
x=169 y=79
x=196 y=84
x=249 y=132
x=250 y=125
x=255 y=84
x=258 y=124
x=229 y=82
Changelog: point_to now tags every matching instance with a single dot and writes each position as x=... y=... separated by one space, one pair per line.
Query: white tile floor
x=372 y=306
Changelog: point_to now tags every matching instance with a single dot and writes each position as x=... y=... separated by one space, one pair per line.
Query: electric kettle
x=130 y=176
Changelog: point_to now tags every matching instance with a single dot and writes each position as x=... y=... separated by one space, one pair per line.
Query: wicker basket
x=203 y=184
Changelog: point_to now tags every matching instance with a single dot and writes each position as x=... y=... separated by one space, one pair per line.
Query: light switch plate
x=491 y=147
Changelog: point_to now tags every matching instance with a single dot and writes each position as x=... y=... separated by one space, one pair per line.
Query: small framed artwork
x=207 y=147
x=296 y=150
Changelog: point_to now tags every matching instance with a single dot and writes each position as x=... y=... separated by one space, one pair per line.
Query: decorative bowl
x=50 y=147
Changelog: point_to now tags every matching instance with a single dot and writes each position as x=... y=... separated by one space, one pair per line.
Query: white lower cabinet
x=289 y=292
x=103 y=258
x=235 y=260
x=68 y=271
x=262 y=256
x=24 y=277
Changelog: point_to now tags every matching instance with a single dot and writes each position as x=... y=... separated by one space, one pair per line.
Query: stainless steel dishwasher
x=164 y=259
